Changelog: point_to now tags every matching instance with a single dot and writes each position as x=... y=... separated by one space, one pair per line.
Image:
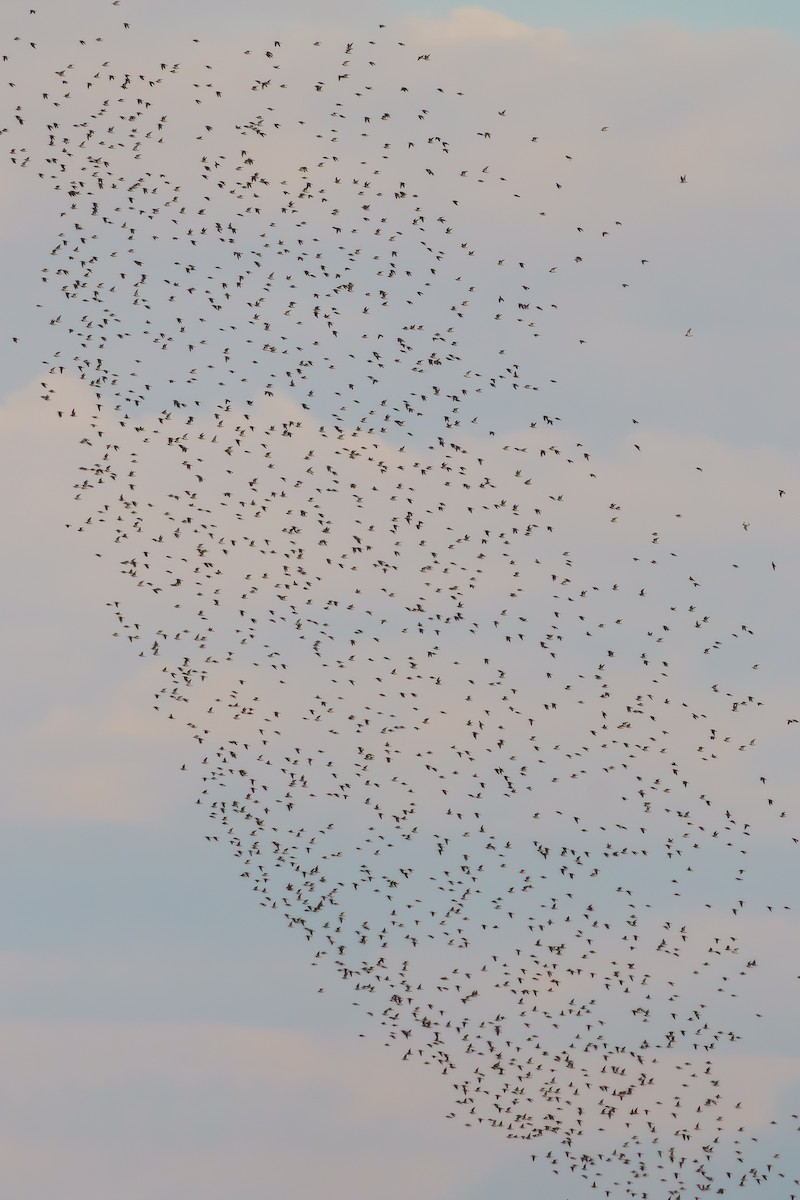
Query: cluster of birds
x=461 y=724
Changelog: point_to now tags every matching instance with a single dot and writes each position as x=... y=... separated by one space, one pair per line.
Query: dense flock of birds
x=464 y=722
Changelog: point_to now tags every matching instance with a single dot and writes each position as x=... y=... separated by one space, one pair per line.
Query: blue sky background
x=585 y=16
x=161 y=1034
x=579 y=17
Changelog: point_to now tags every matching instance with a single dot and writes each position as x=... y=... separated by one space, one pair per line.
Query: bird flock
x=466 y=720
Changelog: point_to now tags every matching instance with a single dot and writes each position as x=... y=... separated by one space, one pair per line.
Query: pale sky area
x=439 y=502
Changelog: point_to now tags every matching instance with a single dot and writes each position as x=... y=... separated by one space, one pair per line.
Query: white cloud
x=471 y=23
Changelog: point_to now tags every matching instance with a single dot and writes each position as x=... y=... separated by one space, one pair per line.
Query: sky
x=162 y=1032
x=583 y=16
